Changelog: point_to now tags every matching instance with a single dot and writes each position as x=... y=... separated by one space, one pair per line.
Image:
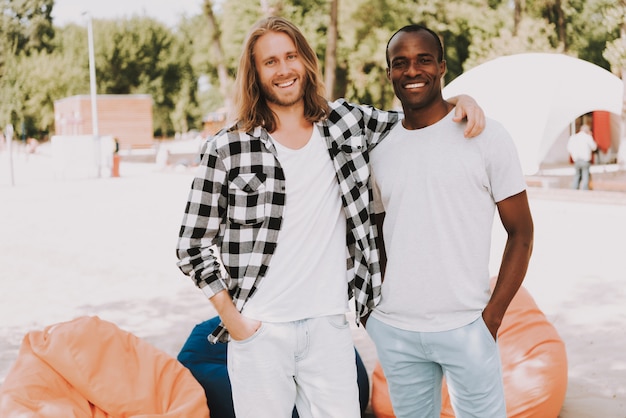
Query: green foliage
x=615 y=52
x=25 y=29
x=34 y=82
x=40 y=63
x=236 y=19
x=589 y=18
x=142 y=56
x=10 y=105
x=193 y=35
x=26 y=25
x=532 y=36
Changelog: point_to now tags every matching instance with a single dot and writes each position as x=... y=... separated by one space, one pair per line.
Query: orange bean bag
x=91 y=368
x=534 y=366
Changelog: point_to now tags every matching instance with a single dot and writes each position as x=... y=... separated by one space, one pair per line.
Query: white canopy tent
x=536 y=96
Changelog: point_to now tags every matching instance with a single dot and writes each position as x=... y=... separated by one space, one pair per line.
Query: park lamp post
x=93 y=94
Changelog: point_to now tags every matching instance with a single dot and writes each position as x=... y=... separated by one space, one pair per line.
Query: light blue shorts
x=415 y=362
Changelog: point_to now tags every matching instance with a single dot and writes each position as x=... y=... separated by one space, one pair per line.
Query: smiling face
x=280 y=70
x=415 y=69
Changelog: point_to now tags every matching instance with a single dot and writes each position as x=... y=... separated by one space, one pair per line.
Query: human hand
x=492 y=323
x=244 y=328
x=467 y=108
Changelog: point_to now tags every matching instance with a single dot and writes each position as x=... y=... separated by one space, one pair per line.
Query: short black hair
x=416 y=28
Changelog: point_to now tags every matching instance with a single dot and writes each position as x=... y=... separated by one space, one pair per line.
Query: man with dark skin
x=437 y=193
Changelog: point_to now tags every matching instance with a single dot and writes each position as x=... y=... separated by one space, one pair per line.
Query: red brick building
x=127 y=117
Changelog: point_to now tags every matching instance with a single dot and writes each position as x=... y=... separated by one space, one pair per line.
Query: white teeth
x=414 y=85
x=287 y=84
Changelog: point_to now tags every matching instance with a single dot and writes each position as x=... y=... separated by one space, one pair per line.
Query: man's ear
x=388 y=74
x=443 y=68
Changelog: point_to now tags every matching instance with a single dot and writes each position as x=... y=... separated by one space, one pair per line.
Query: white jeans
x=308 y=363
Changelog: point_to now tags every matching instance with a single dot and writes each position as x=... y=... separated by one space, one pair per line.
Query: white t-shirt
x=306 y=277
x=439 y=191
x=580 y=146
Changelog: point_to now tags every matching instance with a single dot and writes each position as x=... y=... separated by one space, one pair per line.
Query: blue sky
x=167 y=11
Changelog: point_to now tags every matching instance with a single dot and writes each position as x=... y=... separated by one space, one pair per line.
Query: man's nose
x=413 y=68
x=283 y=67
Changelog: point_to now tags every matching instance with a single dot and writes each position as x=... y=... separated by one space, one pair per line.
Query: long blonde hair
x=250 y=106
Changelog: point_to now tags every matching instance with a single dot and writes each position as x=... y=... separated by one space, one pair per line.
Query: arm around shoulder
x=467 y=108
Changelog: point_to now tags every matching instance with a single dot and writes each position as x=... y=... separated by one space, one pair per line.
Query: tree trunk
x=331 y=51
x=222 y=71
x=517 y=15
x=560 y=24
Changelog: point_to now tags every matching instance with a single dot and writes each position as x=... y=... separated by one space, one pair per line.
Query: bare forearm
x=238 y=326
x=517 y=220
x=513 y=269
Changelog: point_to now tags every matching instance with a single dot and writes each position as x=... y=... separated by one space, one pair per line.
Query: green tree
x=26 y=25
x=218 y=51
x=11 y=103
x=31 y=83
x=40 y=63
x=194 y=34
x=25 y=28
x=576 y=27
x=142 y=56
x=615 y=52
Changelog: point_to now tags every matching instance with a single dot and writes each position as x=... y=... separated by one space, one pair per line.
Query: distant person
x=437 y=193
x=581 y=147
x=31 y=145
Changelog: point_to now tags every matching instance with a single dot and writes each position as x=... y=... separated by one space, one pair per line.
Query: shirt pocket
x=355 y=150
x=247 y=196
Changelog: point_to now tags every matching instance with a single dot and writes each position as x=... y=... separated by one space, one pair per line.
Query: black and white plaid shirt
x=237 y=199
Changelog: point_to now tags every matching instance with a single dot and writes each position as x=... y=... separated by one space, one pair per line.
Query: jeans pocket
x=256 y=335
x=486 y=332
x=338 y=321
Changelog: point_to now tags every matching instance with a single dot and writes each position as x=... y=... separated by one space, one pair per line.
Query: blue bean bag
x=207 y=363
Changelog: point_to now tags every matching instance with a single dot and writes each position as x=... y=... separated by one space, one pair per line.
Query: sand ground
x=105 y=247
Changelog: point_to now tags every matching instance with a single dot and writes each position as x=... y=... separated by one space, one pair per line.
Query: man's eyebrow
x=267 y=57
x=422 y=55
x=398 y=57
x=274 y=56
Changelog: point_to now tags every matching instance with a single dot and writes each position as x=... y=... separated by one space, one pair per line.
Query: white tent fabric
x=537 y=95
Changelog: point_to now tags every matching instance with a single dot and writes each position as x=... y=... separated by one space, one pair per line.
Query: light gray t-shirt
x=439 y=191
